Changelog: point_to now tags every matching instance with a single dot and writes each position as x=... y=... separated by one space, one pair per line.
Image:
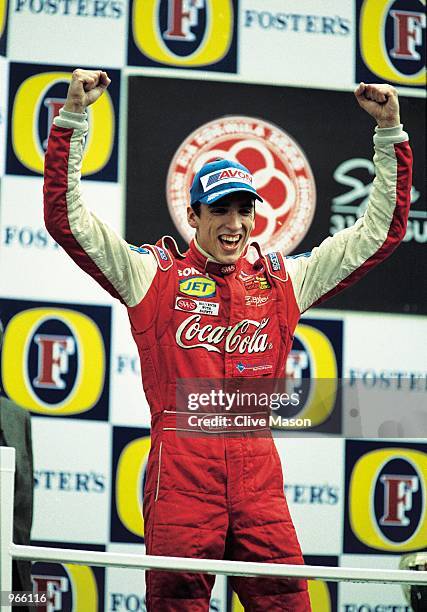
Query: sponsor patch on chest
x=188 y=272
x=254 y=282
x=197 y=286
x=199 y=306
x=256 y=300
x=252 y=369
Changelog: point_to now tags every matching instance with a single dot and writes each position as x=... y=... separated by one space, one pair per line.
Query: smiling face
x=223 y=228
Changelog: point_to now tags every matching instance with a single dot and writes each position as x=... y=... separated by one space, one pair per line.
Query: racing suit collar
x=208 y=264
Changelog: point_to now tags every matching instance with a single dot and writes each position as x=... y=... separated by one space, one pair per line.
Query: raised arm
x=342 y=259
x=123 y=270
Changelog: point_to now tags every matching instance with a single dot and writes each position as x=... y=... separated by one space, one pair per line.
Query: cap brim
x=214 y=197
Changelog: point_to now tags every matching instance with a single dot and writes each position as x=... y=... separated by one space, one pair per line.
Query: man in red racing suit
x=210 y=312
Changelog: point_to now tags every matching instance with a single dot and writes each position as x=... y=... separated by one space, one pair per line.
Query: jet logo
x=53 y=360
x=198 y=286
x=398 y=492
x=182 y=16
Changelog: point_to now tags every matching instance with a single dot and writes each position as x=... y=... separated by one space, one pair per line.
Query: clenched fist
x=85 y=88
x=381 y=102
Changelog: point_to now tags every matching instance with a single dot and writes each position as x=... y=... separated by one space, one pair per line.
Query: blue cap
x=218 y=179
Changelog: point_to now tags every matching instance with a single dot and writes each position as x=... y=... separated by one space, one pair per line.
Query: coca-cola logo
x=281 y=173
x=186 y=304
x=244 y=337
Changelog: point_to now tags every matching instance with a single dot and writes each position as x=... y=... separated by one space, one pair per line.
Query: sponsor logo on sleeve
x=275 y=263
x=139 y=250
x=162 y=254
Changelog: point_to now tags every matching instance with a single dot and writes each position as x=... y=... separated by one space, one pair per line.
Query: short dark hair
x=196 y=207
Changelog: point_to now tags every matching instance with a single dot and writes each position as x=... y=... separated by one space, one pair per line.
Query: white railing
x=9 y=551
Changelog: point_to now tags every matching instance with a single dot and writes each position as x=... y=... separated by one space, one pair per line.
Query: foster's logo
x=183 y=34
x=36 y=95
x=54 y=360
x=386 y=497
x=69 y=587
x=391 y=45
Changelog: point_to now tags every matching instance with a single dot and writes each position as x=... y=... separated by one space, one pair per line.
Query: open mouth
x=229 y=242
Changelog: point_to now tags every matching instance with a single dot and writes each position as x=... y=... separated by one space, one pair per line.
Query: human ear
x=192 y=218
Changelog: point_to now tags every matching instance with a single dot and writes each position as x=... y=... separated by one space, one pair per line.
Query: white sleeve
x=122 y=269
x=340 y=260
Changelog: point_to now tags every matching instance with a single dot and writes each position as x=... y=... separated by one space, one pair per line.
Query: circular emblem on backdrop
x=282 y=176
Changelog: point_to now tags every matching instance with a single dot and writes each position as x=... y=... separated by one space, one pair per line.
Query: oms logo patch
x=36 y=93
x=386 y=497
x=198 y=286
x=55 y=358
x=184 y=34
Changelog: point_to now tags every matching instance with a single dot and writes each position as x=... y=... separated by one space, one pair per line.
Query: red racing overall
x=217 y=497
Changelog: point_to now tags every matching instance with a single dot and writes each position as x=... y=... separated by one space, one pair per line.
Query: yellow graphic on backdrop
x=89 y=346
x=372 y=44
x=213 y=47
x=25 y=124
x=361 y=499
x=129 y=477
